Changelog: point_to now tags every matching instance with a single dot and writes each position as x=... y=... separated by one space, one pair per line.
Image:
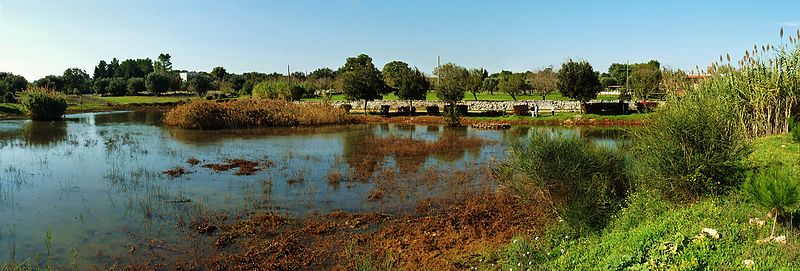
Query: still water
x=81 y=192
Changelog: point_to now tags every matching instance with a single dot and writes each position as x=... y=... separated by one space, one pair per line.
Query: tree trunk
x=513 y=97
x=474 y=95
x=774 y=222
x=365 y=107
x=410 y=105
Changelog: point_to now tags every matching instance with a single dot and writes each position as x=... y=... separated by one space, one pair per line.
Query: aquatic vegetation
x=43 y=104
x=251 y=113
x=175 y=172
x=404 y=146
x=245 y=167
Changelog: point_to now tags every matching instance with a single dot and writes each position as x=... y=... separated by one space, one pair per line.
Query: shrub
x=432 y=110
x=776 y=188
x=249 y=113
x=584 y=182
x=521 y=110
x=691 y=147
x=43 y=104
x=136 y=85
x=272 y=90
x=346 y=107
x=117 y=86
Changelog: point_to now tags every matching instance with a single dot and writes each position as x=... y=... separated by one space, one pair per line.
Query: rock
x=758 y=221
x=748 y=263
x=780 y=239
x=710 y=232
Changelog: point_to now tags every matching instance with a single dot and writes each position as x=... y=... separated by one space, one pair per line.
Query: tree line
x=357 y=79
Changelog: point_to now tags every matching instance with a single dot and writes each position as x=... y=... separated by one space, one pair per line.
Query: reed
x=251 y=113
x=765 y=83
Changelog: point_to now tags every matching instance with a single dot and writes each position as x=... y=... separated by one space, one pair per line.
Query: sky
x=39 y=38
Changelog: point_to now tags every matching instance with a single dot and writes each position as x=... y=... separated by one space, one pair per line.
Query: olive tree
x=453 y=83
x=512 y=83
x=544 y=82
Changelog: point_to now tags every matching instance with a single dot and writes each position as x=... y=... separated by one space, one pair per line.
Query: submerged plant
x=776 y=188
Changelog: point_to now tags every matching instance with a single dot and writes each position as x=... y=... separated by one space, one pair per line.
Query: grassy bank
x=653 y=233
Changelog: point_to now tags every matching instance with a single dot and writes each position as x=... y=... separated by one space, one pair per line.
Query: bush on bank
x=250 y=113
x=692 y=147
x=43 y=104
x=582 y=181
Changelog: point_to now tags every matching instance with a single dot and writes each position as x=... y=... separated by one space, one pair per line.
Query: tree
x=157 y=82
x=490 y=84
x=12 y=83
x=117 y=86
x=322 y=73
x=101 y=70
x=512 y=84
x=75 y=80
x=453 y=82
x=100 y=85
x=53 y=82
x=645 y=79
x=360 y=80
x=131 y=68
x=392 y=72
x=578 y=80
x=475 y=83
x=201 y=83
x=219 y=73
x=544 y=82
x=411 y=85
x=136 y=85
x=163 y=64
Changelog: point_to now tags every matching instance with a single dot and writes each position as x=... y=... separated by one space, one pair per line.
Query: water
x=94 y=182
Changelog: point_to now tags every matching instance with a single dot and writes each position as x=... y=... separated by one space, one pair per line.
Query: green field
x=567 y=115
x=431 y=96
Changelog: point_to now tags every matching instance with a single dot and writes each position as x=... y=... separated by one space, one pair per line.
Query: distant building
x=185 y=76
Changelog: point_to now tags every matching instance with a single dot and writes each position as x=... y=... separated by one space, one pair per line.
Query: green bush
x=583 y=182
x=691 y=147
x=136 y=85
x=117 y=86
x=43 y=104
x=272 y=90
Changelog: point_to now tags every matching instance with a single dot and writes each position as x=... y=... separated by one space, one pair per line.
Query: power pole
x=627 y=77
x=438 y=66
x=288 y=75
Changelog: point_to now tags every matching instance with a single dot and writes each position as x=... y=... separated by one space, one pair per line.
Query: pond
x=86 y=191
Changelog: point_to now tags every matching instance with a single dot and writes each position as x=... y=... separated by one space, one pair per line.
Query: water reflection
x=44 y=133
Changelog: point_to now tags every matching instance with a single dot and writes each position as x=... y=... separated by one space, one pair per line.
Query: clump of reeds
x=43 y=104
x=250 y=113
x=765 y=83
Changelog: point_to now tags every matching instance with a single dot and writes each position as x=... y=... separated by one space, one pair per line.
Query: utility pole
x=438 y=66
x=288 y=75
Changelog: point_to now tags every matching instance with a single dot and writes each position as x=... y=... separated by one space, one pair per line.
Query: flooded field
x=89 y=191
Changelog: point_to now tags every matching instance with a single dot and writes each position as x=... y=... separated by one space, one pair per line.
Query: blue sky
x=38 y=38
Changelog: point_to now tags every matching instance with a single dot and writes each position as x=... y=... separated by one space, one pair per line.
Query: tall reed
x=765 y=82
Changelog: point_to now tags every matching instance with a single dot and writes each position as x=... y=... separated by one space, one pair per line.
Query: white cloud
x=789 y=24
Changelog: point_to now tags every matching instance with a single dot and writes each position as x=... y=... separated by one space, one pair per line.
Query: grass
x=123 y=100
x=653 y=233
x=498 y=96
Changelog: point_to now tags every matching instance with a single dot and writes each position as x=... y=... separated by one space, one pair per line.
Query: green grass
x=775 y=149
x=497 y=96
x=651 y=233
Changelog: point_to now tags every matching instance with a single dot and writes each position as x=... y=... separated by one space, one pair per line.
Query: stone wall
x=560 y=106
